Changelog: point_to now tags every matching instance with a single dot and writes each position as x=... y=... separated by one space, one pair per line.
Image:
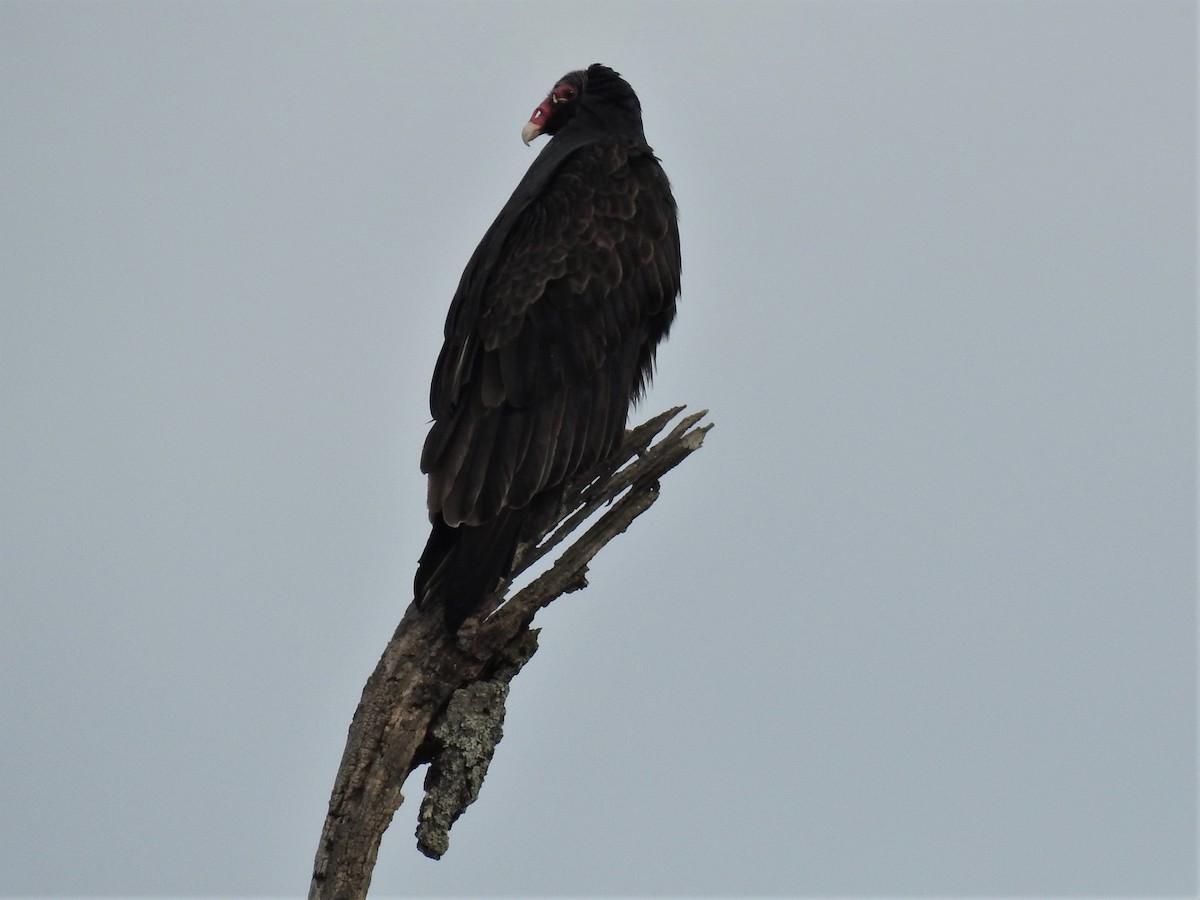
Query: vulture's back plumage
x=550 y=336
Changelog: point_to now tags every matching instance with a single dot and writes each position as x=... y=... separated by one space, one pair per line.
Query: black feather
x=549 y=339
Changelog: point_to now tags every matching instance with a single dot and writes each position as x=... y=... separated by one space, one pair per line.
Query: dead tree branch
x=438 y=698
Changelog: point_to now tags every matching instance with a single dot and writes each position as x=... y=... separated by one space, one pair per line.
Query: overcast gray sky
x=918 y=619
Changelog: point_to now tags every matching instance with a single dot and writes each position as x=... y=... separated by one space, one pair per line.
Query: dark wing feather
x=550 y=337
x=537 y=386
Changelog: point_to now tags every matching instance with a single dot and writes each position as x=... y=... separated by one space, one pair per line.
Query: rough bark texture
x=439 y=698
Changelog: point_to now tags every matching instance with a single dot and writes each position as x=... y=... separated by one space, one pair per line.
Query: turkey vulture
x=550 y=337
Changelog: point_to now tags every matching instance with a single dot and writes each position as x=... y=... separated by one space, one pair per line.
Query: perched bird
x=550 y=337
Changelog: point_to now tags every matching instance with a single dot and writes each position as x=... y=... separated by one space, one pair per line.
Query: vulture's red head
x=557 y=109
x=610 y=102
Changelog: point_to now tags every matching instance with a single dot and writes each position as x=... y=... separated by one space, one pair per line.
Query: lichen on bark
x=462 y=740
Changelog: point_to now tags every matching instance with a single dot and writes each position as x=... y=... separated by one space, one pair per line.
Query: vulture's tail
x=461 y=566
